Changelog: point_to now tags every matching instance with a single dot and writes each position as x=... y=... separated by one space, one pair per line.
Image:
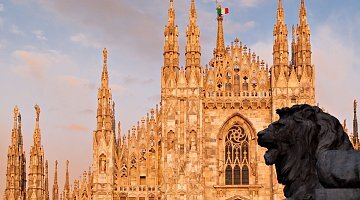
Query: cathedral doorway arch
x=236 y=152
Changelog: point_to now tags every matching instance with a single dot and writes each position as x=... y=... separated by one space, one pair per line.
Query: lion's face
x=277 y=138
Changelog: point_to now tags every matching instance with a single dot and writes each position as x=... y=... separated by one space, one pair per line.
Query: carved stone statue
x=312 y=154
x=37 y=108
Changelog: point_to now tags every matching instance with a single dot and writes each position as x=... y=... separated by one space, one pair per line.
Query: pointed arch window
x=236 y=156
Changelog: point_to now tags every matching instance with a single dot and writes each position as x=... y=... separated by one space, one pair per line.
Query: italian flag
x=222 y=11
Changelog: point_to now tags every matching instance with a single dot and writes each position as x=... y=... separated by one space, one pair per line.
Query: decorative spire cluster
x=171 y=50
x=16 y=163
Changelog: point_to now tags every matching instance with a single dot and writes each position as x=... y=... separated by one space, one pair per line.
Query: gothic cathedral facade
x=201 y=142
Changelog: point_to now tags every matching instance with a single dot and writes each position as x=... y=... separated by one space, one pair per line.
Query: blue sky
x=51 y=54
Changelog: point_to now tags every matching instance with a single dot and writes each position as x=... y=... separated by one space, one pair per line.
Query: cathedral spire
x=36 y=167
x=220 y=43
x=302 y=13
x=192 y=49
x=55 y=191
x=16 y=163
x=355 y=127
x=67 y=183
x=303 y=46
x=280 y=13
x=281 y=47
x=105 y=109
x=46 y=181
x=171 y=50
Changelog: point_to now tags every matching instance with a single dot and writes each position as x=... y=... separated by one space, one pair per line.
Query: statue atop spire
x=37 y=135
x=104 y=75
x=105 y=55
x=37 y=109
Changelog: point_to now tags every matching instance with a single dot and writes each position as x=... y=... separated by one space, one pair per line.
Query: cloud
x=118 y=24
x=76 y=128
x=34 y=64
x=3 y=44
x=249 y=3
x=87 y=112
x=1 y=21
x=263 y=49
x=154 y=98
x=117 y=89
x=76 y=82
x=137 y=80
x=233 y=27
x=337 y=77
x=85 y=40
x=14 y=29
x=39 y=35
x=2 y=7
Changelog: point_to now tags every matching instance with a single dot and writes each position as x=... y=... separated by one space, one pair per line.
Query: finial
x=192 y=11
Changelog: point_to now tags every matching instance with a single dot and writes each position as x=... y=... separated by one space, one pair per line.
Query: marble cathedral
x=200 y=143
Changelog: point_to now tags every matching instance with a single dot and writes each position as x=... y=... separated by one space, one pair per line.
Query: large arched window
x=236 y=156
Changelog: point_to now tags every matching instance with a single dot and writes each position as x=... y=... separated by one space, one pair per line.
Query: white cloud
x=264 y=50
x=2 y=8
x=233 y=27
x=337 y=80
x=74 y=81
x=249 y=3
x=16 y=30
x=39 y=35
x=117 y=89
x=1 y=21
x=85 y=40
x=34 y=64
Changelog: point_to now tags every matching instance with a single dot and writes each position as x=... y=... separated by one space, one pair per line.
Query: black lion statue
x=310 y=151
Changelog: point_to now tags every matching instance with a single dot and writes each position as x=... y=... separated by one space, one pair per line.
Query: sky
x=51 y=54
